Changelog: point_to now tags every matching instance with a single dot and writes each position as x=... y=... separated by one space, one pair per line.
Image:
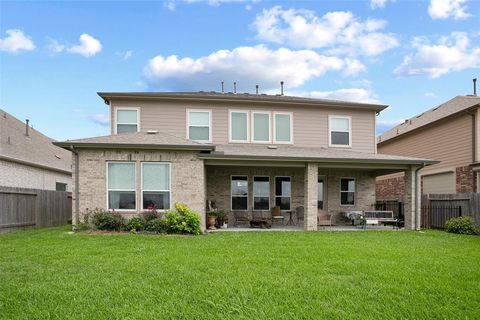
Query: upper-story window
x=340 y=131
x=261 y=126
x=282 y=127
x=239 y=126
x=127 y=120
x=199 y=124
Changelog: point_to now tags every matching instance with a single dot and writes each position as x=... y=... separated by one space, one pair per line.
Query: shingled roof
x=35 y=149
x=453 y=106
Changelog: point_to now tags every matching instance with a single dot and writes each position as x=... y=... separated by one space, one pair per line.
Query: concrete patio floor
x=300 y=228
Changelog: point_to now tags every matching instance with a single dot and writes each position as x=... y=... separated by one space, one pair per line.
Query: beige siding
x=310 y=124
x=449 y=141
x=440 y=183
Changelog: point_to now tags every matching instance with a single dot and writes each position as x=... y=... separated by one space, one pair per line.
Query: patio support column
x=311 y=194
x=412 y=198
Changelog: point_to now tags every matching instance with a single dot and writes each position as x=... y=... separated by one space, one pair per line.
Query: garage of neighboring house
x=439 y=183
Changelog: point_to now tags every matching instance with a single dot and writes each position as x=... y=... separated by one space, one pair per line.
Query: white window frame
x=350 y=138
x=115 y=116
x=209 y=124
x=275 y=191
x=169 y=184
x=354 y=192
x=108 y=190
x=275 y=127
x=231 y=193
x=253 y=113
x=253 y=194
x=230 y=126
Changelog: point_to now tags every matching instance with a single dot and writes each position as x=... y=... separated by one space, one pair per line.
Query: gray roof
x=292 y=153
x=266 y=98
x=35 y=149
x=457 y=104
x=138 y=140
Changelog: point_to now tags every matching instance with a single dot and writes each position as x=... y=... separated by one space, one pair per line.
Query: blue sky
x=55 y=56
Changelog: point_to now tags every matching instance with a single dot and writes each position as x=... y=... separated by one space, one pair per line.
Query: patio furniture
x=242 y=217
x=262 y=224
x=380 y=216
x=324 y=220
x=300 y=213
x=277 y=215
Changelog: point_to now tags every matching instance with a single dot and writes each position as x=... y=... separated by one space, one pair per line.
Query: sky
x=55 y=56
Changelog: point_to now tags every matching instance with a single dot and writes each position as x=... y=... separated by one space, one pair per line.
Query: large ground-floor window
x=283 y=192
x=155 y=185
x=239 y=192
x=121 y=186
x=261 y=193
x=347 y=191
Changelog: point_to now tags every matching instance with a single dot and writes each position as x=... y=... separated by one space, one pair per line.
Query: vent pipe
x=475 y=86
x=235 y=87
x=281 y=88
x=256 y=89
x=26 y=127
x=222 y=88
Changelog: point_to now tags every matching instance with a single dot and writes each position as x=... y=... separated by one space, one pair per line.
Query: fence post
x=459 y=211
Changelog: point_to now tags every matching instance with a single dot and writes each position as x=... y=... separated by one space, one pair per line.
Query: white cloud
x=88 y=47
x=101 y=119
x=170 y=5
x=16 y=41
x=124 y=55
x=449 y=54
x=246 y=65
x=54 y=46
x=444 y=9
x=430 y=94
x=347 y=94
x=340 y=31
x=374 y=4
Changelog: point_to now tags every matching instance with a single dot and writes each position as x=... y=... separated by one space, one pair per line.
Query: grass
x=50 y=274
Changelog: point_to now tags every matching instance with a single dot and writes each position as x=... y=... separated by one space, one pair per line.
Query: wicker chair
x=300 y=214
x=325 y=220
x=277 y=215
x=242 y=217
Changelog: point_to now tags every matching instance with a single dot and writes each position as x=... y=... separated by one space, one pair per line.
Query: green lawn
x=50 y=274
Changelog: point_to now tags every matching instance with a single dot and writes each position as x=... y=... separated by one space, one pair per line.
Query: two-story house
x=448 y=133
x=244 y=152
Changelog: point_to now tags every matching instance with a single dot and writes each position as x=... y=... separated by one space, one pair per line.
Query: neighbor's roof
x=453 y=106
x=137 y=140
x=35 y=149
x=292 y=153
x=229 y=96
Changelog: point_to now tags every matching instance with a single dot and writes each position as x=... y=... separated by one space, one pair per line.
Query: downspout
x=417 y=196
x=77 y=184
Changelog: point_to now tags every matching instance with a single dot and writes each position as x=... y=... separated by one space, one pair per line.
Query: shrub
x=461 y=225
x=150 y=215
x=182 y=220
x=156 y=226
x=103 y=220
x=135 y=223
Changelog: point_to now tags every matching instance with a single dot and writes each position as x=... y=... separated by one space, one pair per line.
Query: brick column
x=311 y=194
x=411 y=192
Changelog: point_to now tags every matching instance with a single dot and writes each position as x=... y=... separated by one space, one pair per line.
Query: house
x=247 y=153
x=28 y=159
x=448 y=133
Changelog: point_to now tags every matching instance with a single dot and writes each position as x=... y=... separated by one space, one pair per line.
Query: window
x=121 y=185
x=156 y=185
x=261 y=193
x=320 y=195
x=127 y=120
x=239 y=126
x=261 y=126
x=340 y=131
x=60 y=186
x=199 y=125
x=239 y=189
x=283 y=127
x=347 y=191
x=283 y=192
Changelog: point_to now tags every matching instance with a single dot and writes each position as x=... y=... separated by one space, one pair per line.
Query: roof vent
x=272 y=147
x=58 y=157
x=152 y=131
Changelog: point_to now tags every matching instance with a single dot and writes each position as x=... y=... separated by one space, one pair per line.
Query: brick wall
x=390 y=189
x=187 y=177
x=465 y=180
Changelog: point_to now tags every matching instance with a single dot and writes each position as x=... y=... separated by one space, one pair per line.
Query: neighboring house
x=247 y=153
x=28 y=159
x=448 y=133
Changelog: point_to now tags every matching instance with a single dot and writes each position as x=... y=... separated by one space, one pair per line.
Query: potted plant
x=212 y=219
x=220 y=218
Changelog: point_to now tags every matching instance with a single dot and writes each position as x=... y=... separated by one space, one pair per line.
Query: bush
x=104 y=220
x=135 y=223
x=182 y=220
x=150 y=215
x=462 y=225
x=156 y=226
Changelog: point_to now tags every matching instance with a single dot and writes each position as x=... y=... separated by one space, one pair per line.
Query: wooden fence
x=469 y=202
x=23 y=208
x=434 y=217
